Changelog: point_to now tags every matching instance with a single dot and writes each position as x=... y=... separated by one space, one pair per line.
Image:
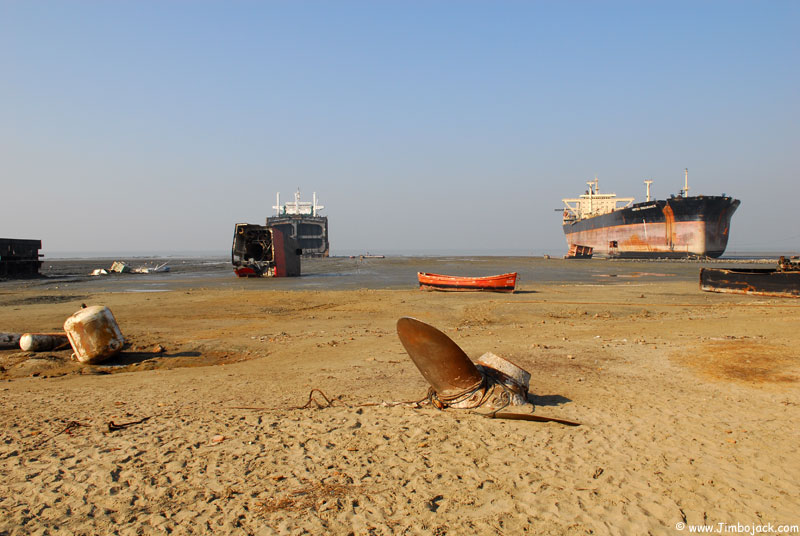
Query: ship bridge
x=298 y=208
x=593 y=203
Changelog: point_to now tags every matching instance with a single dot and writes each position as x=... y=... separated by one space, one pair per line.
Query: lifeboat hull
x=492 y=283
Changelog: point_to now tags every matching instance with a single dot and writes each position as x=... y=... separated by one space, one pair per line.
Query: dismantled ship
x=261 y=251
x=681 y=226
x=783 y=281
x=301 y=221
x=20 y=258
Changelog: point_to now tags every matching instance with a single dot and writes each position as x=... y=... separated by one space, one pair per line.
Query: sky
x=424 y=127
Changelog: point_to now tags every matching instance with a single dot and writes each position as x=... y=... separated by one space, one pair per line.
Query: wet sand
x=688 y=403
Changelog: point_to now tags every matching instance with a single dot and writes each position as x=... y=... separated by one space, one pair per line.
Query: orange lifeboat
x=492 y=283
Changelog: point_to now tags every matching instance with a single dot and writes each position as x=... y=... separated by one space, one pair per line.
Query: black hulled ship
x=301 y=221
x=678 y=227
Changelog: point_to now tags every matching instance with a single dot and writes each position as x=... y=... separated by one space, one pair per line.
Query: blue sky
x=152 y=127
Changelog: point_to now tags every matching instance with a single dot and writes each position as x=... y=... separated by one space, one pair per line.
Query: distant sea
x=349 y=273
x=536 y=252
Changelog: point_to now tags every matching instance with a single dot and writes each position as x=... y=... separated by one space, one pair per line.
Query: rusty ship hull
x=261 y=251
x=755 y=281
x=302 y=221
x=679 y=227
x=783 y=281
x=310 y=232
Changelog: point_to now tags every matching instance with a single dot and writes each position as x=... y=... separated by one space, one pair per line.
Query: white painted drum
x=42 y=342
x=513 y=377
x=94 y=334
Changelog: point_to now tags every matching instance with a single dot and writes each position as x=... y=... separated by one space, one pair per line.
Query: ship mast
x=315 y=207
x=685 y=191
x=594 y=189
x=648 y=182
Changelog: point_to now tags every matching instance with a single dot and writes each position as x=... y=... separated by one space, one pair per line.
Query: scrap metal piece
x=120 y=267
x=782 y=282
x=161 y=268
x=440 y=360
x=43 y=342
x=261 y=251
x=577 y=251
x=94 y=334
x=493 y=383
x=513 y=378
x=535 y=418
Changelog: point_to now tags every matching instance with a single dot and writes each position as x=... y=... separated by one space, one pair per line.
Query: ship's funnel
x=440 y=360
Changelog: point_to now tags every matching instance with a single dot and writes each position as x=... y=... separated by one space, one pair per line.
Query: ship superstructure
x=593 y=203
x=302 y=221
x=681 y=226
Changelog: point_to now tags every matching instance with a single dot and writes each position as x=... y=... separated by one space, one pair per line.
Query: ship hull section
x=673 y=228
x=310 y=232
x=759 y=282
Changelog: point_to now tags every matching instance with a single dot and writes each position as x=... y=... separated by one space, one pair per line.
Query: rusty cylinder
x=440 y=360
x=42 y=342
x=94 y=334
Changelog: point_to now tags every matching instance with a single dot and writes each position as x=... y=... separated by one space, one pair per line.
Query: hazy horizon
x=421 y=126
x=126 y=255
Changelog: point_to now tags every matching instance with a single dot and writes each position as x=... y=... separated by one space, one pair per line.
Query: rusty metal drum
x=94 y=334
x=513 y=377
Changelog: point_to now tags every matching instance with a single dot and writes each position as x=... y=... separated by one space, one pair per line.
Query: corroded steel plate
x=440 y=360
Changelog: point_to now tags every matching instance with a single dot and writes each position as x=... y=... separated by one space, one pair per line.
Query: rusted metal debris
x=121 y=267
x=94 y=334
x=440 y=360
x=515 y=379
x=493 y=383
x=783 y=281
x=528 y=417
x=788 y=265
x=579 y=252
x=457 y=382
x=113 y=427
x=262 y=251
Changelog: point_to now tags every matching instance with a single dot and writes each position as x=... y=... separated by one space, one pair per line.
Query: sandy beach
x=688 y=404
